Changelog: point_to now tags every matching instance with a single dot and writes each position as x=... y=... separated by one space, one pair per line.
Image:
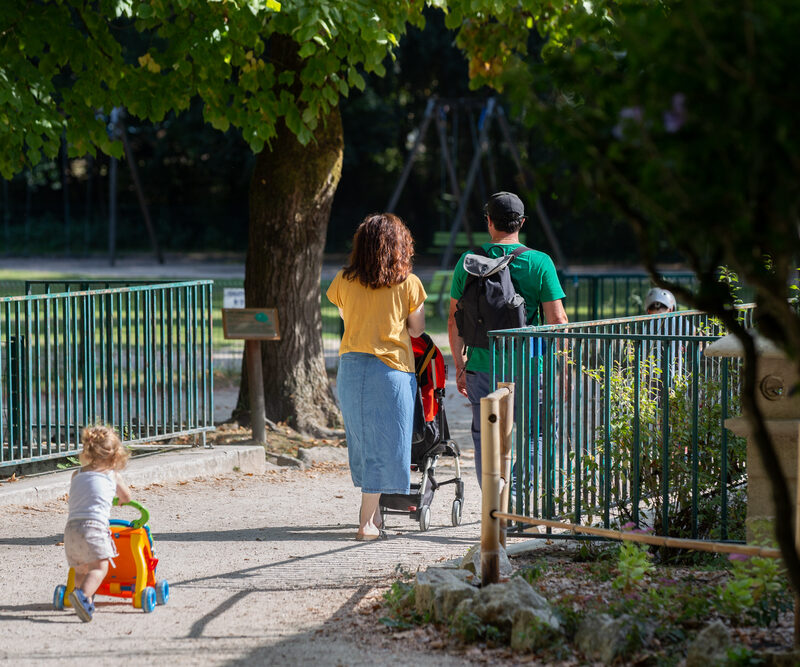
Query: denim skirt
x=377 y=404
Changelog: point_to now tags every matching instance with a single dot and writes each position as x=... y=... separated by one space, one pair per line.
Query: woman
x=382 y=304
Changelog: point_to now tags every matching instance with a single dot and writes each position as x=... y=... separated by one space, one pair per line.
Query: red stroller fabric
x=430 y=373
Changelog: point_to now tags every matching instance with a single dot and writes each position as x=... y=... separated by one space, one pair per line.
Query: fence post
x=490 y=484
x=256 y=386
x=506 y=444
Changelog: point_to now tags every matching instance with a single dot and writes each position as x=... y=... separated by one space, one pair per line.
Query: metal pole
x=113 y=133
x=414 y=150
x=473 y=172
x=450 y=168
x=112 y=209
x=6 y=217
x=139 y=193
x=65 y=190
x=561 y=261
x=256 y=385
x=87 y=220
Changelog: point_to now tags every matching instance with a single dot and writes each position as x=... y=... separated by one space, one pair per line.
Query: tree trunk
x=291 y=194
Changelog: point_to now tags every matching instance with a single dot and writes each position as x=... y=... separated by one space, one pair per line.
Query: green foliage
x=71 y=462
x=532 y=573
x=634 y=566
x=537 y=634
x=68 y=63
x=400 y=600
x=678 y=603
x=470 y=628
x=741 y=656
x=590 y=551
x=680 y=463
x=757 y=591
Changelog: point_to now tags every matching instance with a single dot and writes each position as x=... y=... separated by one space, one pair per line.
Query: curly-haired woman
x=382 y=304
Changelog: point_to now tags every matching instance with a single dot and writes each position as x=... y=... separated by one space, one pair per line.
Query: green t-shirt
x=535 y=279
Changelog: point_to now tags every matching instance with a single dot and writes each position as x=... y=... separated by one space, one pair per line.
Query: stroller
x=430 y=440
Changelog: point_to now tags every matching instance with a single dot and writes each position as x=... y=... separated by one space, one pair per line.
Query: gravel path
x=263 y=569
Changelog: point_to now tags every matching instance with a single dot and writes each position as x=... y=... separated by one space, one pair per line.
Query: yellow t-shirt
x=375 y=319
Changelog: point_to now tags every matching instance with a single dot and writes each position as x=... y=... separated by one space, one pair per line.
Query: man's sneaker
x=82 y=605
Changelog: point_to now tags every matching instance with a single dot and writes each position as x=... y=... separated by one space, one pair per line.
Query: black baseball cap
x=504 y=207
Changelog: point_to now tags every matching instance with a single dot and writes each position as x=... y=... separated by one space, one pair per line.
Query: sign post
x=253 y=325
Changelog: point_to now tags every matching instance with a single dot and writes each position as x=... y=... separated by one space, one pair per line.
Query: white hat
x=658 y=295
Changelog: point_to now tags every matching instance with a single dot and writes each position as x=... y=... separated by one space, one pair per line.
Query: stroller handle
x=145 y=515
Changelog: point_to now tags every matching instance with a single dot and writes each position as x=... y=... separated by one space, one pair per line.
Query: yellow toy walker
x=133 y=574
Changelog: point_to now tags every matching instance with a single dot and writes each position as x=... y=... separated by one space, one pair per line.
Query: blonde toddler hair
x=102 y=446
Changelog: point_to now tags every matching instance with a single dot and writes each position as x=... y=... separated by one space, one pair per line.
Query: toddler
x=87 y=540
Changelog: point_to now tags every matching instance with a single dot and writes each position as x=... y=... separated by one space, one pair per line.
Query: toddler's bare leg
x=95 y=573
x=80 y=574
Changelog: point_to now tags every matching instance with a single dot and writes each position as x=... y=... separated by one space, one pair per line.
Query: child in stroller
x=430 y=440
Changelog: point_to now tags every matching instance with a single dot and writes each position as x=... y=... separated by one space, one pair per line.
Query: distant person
x=659 y=301
x=534 y=278
x=87 y=539
x=382 y=304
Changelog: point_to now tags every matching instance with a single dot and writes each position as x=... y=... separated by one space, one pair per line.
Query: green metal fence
x=596 y=296
x=589 y=296
x=138 y=358
x=621 y=421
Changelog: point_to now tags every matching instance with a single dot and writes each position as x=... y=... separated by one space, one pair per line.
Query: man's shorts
x=86 y=541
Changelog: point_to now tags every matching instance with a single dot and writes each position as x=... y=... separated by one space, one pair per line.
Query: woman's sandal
x=366 y=538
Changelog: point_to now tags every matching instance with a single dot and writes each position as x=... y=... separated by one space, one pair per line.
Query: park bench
x=439 y=293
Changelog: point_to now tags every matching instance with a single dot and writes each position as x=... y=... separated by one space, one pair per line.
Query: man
x=535 y=279
x=659 y=301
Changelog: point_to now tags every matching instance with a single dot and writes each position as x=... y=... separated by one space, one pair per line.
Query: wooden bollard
x=490 y=485
x=506 y=442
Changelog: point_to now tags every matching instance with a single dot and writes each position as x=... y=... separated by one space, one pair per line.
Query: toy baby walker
x=133 y=574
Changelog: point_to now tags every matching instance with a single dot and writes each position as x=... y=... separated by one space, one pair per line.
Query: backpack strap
x=518 y=251
x=481 y=264
x=514 y=253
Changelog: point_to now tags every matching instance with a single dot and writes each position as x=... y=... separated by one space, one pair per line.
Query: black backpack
x=489 y=300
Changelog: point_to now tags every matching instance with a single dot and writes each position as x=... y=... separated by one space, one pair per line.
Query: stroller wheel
x=455 y=515
x=424 y=517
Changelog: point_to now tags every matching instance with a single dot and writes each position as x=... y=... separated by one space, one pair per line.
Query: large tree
x=274 y=70
x=682 y=117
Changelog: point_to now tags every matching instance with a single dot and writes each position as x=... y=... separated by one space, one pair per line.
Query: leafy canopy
x=680 y=115
x=65 y=64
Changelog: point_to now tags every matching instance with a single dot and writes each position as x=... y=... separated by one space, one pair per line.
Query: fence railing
x=138 y=358
x=595 y=296
x=589 y=296
x=622 y=421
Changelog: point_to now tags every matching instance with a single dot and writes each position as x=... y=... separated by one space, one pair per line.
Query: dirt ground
x=263 y=569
